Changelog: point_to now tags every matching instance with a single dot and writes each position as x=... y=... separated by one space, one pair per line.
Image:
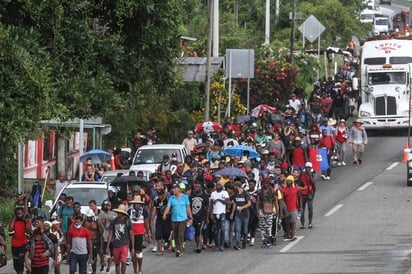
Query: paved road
x=362 y=224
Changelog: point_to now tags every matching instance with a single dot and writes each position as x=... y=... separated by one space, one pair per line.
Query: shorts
x=110 y=248
x=138 y=243
x=163 y=231
x=120 y=254
x=292 y=217
x=198 y=225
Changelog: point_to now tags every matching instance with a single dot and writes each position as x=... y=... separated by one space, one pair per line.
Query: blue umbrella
x=238 y=150
x=231 y=172
x=98 y=156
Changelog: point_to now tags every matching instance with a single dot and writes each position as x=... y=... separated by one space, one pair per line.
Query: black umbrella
x=127 y=180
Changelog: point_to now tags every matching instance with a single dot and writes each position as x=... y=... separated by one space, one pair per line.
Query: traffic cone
x=405 y=152
x=112 y=164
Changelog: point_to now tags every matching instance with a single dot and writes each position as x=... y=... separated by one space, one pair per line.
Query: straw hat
x=331 y=122
x=137 y=199
x=358 y=121
x=342 y=121
x=121 y=209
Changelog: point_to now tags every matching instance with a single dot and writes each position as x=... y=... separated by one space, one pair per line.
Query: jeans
x=306 y=200
x=219 y=228
x=241 y=225
x=229 y=229
x=80 y=259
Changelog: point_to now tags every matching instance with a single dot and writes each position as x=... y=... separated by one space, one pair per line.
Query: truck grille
x=390 y=108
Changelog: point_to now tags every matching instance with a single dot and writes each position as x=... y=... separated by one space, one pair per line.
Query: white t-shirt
x=295 y=104
x=219 y=207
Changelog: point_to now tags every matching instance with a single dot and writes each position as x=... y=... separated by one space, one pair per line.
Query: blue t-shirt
x=179 y=207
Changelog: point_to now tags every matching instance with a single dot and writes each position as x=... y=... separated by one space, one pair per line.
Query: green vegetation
x=65 y=59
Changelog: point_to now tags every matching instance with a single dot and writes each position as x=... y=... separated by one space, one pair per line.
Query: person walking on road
x=140 y=222
x=121 y=234
x=18 y=228
x=79 y=246
x=307 y=192
x=39 y=250
x=179 y=205
x=241 y=212
x=219 y=199
x=292 y=202
x=358 y=138
x=266 y=202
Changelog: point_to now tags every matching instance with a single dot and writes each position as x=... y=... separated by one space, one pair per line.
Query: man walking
x=219 y=199
x=121 y=233
x=358 y=138
x=266 y=202
x=79 y=246
x=140 y=222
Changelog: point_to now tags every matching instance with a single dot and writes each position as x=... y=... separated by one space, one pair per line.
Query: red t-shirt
x=37 y=260
x=298 y=157
x=19 y=236
x=290 y=195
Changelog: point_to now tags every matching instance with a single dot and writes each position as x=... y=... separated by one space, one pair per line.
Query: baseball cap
x=308 y=164
x=107 y=202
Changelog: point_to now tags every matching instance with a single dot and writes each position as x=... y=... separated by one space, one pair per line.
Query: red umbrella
x=258 y=111
x=208 y=127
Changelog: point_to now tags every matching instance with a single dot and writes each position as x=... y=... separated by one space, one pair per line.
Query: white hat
x=89 y=213
x=55 y=222
x=308 y=164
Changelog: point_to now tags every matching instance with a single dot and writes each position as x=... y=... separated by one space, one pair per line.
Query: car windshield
x=383 y=78
x=84 y=195
x=154 y=156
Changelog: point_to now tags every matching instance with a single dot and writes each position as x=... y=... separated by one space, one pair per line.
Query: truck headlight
x=364 y=114
x=398 y=89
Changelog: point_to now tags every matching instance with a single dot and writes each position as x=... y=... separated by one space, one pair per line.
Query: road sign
x=311 y=28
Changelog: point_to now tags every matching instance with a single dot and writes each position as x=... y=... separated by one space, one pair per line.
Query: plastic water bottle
x=89 y=268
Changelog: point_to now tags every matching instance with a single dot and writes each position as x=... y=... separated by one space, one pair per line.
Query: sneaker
x=339 y=164
x=221 y=249
x=226 y=245
x=302 y=226
x=323 y=177
x=179 y=253
x=243 y=245
x=343 y=163
x=252 y=241
x=274 y=241
x=310 y=226
x=268 y=246
x=154 y=249
x=328 y=178
x=236 y=247
x=359 y=162
x=263 y=245
x=355 y=163
x=198 y=250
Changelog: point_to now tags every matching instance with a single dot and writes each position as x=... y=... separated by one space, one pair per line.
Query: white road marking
x=291 y=244
x=333 y=210
x=362 y=188
x=392 y=166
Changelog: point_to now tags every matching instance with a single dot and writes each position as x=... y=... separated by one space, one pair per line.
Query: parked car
x=83 y=192
x=149 y=157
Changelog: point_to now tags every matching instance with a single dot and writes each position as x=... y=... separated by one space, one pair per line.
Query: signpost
x=240 y=64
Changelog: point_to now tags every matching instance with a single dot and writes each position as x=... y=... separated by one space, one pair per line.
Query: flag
x=319 y=159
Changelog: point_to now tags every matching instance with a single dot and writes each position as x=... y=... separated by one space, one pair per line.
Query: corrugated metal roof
x=193 y=69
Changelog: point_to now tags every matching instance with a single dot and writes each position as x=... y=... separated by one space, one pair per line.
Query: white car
x=149 y=157
x=83 y=192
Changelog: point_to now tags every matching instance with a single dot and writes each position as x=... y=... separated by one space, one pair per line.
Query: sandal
x=160 y=253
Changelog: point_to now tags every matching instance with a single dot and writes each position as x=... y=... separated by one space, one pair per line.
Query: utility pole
x=292 y=30
x=208 y=61
x=215 y=20
x=267 y=23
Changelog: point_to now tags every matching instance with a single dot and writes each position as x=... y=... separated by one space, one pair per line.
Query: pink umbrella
x=258 y=111
x=208 y=127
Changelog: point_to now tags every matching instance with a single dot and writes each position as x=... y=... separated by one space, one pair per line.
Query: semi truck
x=385 y=83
